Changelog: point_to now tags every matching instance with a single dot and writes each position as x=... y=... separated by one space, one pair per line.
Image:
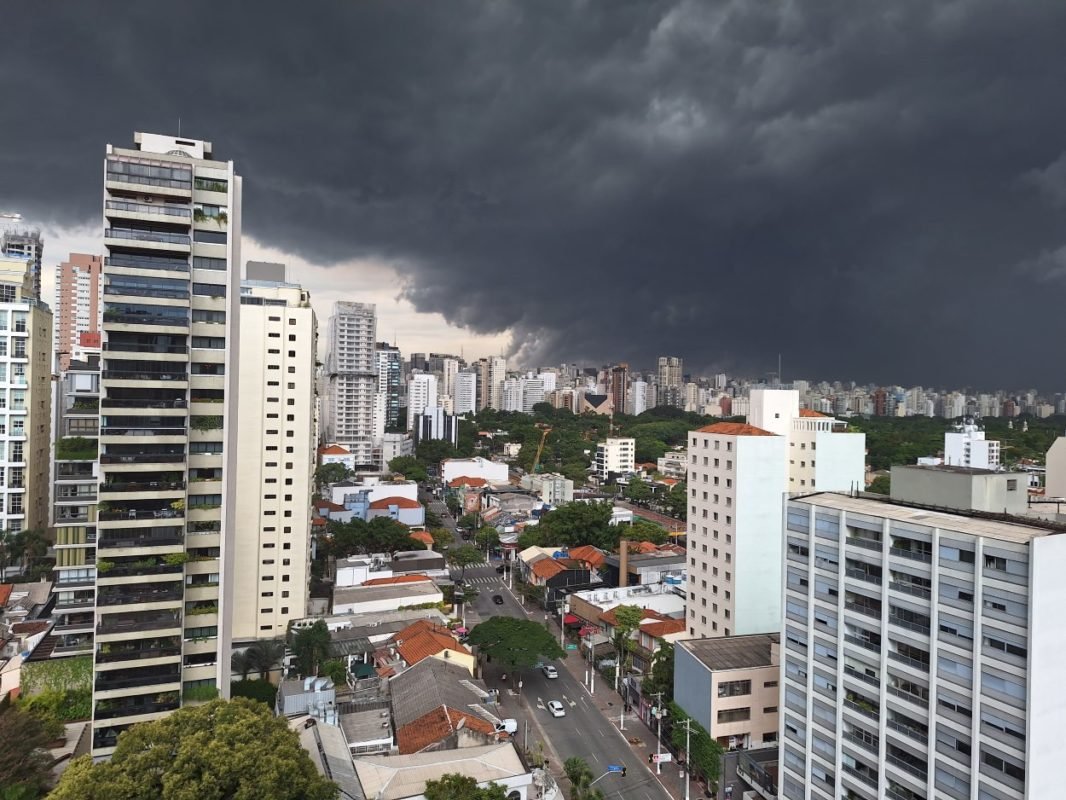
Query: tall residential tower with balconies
x=168 y=395
x=350 y=384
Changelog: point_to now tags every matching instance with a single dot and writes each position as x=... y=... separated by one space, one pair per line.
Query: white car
x=555 y=708
x=550 y=671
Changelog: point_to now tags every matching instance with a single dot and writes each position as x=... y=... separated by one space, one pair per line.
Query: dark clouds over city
x=876 y=190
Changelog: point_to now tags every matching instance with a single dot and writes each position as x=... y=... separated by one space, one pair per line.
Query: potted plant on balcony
x=175 y=559
x=104 y=567
x=178 y=506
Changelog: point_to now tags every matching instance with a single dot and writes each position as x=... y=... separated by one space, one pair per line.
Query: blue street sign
x=615 y=767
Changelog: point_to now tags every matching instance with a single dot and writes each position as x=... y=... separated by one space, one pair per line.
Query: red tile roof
x=423 y=639
x=5 y=592
x=423 y=536
x=588 y=554
x=317 y=520
x=400 y=502
x=30 y=628
x=328 y=505
x=663 y=627
x=810 y=412
x=333 y=450
x=735 y=429
x=547 y=568
x=438 y=724
x=463 y=480
x=395 y=579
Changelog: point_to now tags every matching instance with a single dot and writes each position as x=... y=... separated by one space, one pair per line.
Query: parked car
x=497 y=599
x=550 y=671
x=556 y=709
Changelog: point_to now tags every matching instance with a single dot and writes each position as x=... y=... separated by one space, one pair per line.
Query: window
x=209 y=289
x=734 y=688
x=200 y=315
x=209 y=237
x=203 y=262
x=734 y=715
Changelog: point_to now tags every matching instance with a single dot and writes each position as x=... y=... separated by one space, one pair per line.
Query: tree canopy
x=579 y=773
x=705 y=754
x=222 y=750
x=25 y=764
x=516 y=643
x=311 y=647
x=410 y=467
x=331 y=473
x=464 y=556
x=380 y=535
x=453 y=786
x=572 y=525
x=661 y=676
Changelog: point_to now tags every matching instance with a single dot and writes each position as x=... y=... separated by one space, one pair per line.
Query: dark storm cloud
x=875 y=190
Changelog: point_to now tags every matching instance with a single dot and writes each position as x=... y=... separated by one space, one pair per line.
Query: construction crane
x=545 y=429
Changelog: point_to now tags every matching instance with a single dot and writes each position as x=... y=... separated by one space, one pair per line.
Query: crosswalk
x=484 y=580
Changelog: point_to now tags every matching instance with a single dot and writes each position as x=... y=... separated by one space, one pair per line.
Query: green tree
x=580 y=775
x=882 y=484
x=258 y=690
x=25 y=764
x=240 y=664
x=442 y=539
x=410 y=467
x=637 y=491
x=705 y=754
x=432 y=518
x=628 y=618
x=464 y=556
x=644 y=530
x=453 y=786
x=311 y=648
x=574 y=524
x=661 y=676
x=336 y=671
x=265 y=655
x=453 y=503
x=331 y=473
x=515 y=643
x=222 y=749
x=487 y=537
x=468 y=521
x=675 y=502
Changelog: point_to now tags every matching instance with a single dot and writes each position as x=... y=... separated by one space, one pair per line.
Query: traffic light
x=623 y=770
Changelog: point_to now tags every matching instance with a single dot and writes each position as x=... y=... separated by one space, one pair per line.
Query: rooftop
x=733 y=652
x=364 y=594
x=397 y=777
x=399 y=502
x=1020 y=530
x=810 y=412
x=949 y=468
x=735 y=429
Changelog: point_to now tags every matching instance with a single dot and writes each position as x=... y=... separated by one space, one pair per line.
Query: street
x=584 y=731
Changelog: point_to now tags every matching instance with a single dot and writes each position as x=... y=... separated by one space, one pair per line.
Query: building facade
x=351 y=379
x=922 y=653
x=967 y=446
x=671 y=371
x=276 y=412
x=26 y=381
x=616 y=455
x=465 y=392
x=166 y=514
x=421 y=395
x=25 y=246
x=390 y=378
x=78 y=306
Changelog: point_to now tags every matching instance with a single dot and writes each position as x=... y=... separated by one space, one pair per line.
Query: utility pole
x=659 y=737
x=688 y=757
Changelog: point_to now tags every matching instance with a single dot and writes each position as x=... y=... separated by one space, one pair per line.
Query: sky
x=876 y=191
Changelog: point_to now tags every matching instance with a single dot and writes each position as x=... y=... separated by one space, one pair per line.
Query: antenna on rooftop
x=179 y=127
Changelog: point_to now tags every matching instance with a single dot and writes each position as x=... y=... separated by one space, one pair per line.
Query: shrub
x=258 y=689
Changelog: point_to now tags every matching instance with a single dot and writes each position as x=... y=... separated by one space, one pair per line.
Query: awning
x=572 y=619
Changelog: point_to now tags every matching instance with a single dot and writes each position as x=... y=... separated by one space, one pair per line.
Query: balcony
x=911 y=588
x=142 y=261
x=908 y=729
x=912 y=549
x=135 y=678
x=145 y=291
x=110 y=709
x=868 y=644
x=144 y=318
x=863 y=705
x=148 y=235
x=132 y=537
x=170 y=564
x=138 y=622
x=112 y=514
x=148 y=486
x=119 y=401
x=145 y=374
x=124 y=595
x=869 y=777
x=907 y=762
x=137 y=347
x=142 y=458
x=158 y=209
x=139 y=431
x=112 y=652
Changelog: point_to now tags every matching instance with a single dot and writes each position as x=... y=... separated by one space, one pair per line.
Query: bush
x=200 y=693
x=76 y=447
x=72 y=705
x=258 y=689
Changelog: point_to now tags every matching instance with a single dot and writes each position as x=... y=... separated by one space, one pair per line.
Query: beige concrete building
x=26 y=394
x=276 y=439
x=168 y=458
x=729 y=685
x=78 y=305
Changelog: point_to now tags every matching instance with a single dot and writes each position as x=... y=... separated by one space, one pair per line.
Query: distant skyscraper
x=619 y=378
x=466 y=392
x=351 y=379
x=493 y=371
x=28 y=246
x=449 y=369
x=670 y=382
x=421 y=394
x=638 y=393
x=390 y=371
x=78 y=308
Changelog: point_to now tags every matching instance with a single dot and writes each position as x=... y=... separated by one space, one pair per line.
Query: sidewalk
x=642 y=740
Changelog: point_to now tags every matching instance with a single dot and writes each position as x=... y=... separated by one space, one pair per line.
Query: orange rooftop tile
x=735 y=429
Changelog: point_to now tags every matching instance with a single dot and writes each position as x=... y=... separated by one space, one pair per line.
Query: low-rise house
x=369 y=488
x=402 y=509
x=24 y=624
x=335 y=454
x=437 y=705
x=404 y=777
x=648 y=565
x=368 y=599
x=358 y=570
x=559 y=577
x=424 y=640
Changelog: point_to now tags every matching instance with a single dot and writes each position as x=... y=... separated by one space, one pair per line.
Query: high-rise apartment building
x=351 y=372
x=465 y=392
x=738 y=474
x=79 y=309
x=638 y=398
x=671 y=381
x=26 y=246
x=390 y=378
x=75 y=487
x=449 y=369
x=421 y=395
x=615 y=456
x=25 y=415
x=922 y=653
x=966 y=446
x=166 y=516
x=276 y=439
x=492 y=373
x=619 y=383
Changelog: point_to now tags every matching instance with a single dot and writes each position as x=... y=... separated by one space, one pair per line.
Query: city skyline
x=826 y=200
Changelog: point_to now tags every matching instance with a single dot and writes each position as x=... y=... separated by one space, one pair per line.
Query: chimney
x=623 y=563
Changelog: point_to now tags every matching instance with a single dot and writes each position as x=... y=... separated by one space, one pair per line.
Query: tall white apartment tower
x=493 y=372
x=967 y=446
x=351 y=379
x=465 y=392
x=421 y=394
x=276 y=440
x=922 y=653
x=166 y=513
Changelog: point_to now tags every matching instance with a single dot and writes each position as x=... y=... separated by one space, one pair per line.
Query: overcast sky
x=876 y=190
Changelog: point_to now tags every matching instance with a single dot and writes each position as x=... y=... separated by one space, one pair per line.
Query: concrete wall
x=1047 y=654
x=990 y=492
x=692 y=686
x=840 y=460
x=1055 y=478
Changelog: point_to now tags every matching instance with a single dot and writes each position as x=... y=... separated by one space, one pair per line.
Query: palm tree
x=241 y=664
x=264 y=655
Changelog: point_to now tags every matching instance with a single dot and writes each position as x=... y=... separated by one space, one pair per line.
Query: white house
x=491 y=471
